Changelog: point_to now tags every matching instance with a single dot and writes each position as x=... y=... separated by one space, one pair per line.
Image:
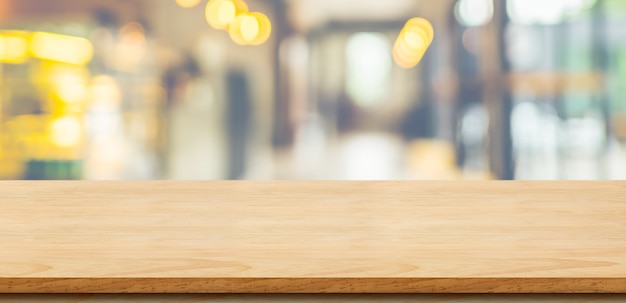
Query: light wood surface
x=312 y=237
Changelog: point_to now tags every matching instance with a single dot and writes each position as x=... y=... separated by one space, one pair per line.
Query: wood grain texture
x=312 y=237
x=316 y=298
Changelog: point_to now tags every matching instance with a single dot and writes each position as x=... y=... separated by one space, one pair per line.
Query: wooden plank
x=312 y=237
x=308 y=298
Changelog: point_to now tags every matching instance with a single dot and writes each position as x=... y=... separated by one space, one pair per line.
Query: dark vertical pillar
x=458 y=56
x=501 y=141
x=239 y=122
x=282 y=130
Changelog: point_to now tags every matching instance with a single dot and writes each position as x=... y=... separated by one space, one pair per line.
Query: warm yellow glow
x=221 y=13
x=129 y=53
x=414 y=40
x=235 y=30
x=132 y=28
x=404 y=58
x=65 y=84
x=412 y=43
x=187 y=3
x=13 y=48
x=409 y=49
x=105 y=93
x=432 y=160
x=226 y=14
x=422 y=24
x=240 y=6
x=250 y=29
x=72 y=93
x=265 y=29
x=70 y=86
x=61 y=48
x=66 y=131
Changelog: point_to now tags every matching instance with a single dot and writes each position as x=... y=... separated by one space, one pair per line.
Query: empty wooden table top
x=312 y=237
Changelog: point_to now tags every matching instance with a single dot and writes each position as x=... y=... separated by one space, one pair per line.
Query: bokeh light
x=66 y=131
x=221 y=13
x=265 y=28
x=412 y=43
x=235 y=30
x=165 y=91
x=422 y=24
x=474 y=12
x=243 y=27
x=471 y=40
x=61 y=48
x=13 y=47
x=250 y=29
x=187 y=3
x=69 y=85
x=414 y=40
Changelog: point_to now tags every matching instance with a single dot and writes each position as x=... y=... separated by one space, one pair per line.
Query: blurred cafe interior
x=313 y=89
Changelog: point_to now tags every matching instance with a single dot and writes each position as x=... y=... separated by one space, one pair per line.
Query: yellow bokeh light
x=221 y=13
x=265 y=29
x=241 y=6
x=406 y=56
x=13 y=48
x=70 y=85
x=226 y=13
x=423 y=25
x=61 y=48
x=64 y=84
x=187 y=3
x=235 y=30
x=402 y=58
x=250 y=29
x=66 y=131
x=413 y=42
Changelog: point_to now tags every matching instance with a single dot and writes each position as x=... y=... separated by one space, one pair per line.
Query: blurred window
x=545 y=11
x=474 y=12
x=368 y=60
